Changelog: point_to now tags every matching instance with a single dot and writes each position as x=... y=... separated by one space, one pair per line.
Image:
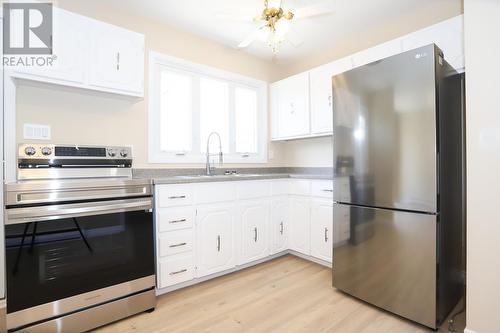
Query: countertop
x=180 y=179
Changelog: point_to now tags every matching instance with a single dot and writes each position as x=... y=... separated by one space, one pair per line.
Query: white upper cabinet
x=301 y=105
x=68 y=50
x=93 y=55
x=321 y=94
x=378 y=52
x=117 y=59
x=447 y=35
x=292 y=105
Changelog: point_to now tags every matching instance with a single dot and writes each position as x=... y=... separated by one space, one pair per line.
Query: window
x=188 y=101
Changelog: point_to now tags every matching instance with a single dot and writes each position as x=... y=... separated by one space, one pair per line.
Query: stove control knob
x=111 y=153
x=30 y=151
x=123 y=153
x=46 y=151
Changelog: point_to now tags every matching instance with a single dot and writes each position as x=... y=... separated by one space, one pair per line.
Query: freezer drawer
x=388 y=260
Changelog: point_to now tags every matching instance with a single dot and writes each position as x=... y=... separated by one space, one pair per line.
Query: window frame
x=157 y=61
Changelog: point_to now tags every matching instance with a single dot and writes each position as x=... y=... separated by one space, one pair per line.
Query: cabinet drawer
x=175 y=270
x=175 y=242
x=300 y=187
x=253 y=189
x=280 y=187
x=322 y=188
x=174 y=195
x=175 y=218
x=215 y=192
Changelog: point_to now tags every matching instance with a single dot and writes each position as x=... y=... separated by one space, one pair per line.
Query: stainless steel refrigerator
x=398 y=185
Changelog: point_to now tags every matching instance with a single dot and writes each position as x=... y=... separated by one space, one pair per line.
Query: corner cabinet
x=322 y=96
x=91 y=55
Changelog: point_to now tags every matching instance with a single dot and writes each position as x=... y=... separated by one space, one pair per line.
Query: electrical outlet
x=36 y=132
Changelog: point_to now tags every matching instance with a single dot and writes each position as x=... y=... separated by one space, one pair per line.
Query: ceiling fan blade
x=246 y=18
x=320 y=9
x=250 y=38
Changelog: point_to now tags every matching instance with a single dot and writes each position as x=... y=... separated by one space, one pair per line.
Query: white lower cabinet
x=175 y=270
x=215 y=233
x=279 y=225
x=322 y=229
x=300 y=225
x=253 y=221
x=210 y=228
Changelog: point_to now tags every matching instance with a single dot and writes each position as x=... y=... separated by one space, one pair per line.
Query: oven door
x=97 y=250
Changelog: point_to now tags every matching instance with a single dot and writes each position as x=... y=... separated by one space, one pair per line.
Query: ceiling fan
x=274 y=23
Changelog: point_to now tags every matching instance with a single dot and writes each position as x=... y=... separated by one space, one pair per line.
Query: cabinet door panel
x=293 y=106
x=117 y=58
x=321 y=94
x=215 y=239
x=254 y=220
x=279 y=225
x=300 y=225
x=70 y=45
x=322 y=229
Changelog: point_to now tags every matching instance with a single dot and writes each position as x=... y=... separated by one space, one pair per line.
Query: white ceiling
x=212 y=19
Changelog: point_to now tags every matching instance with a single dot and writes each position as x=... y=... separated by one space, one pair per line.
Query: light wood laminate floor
x=287 y=294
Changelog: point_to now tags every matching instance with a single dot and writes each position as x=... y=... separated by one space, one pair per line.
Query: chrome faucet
x=209 y=169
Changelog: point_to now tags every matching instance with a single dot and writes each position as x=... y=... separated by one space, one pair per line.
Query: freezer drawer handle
x=179 y=272
x=177 y=221
x=177 y=245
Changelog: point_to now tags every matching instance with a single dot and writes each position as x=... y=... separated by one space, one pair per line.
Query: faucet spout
x=208 y=168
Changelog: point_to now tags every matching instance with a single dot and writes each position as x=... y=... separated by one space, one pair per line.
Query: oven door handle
x=56 y=212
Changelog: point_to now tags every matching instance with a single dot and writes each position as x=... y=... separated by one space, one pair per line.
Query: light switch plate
x=36 y=132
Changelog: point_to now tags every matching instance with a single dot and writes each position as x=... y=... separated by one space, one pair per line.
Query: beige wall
x=482 y=52
x=88 y=118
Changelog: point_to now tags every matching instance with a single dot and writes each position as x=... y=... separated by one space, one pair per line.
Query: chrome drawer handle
x=326 y=235
x=177 y=245
x=218 y=243
x=177 y=221
x=327 y=190
x=177 y=197
x=281 y=227
x=179 y=272
x=255 y=237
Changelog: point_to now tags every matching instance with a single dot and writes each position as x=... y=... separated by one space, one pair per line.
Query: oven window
x=51 y=260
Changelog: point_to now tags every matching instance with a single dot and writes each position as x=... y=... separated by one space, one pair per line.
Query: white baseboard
x=309 y=258
x=466 y=330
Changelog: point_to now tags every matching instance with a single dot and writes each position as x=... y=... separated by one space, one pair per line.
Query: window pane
x=175 y=111
x=245 y=101
x=214 y=113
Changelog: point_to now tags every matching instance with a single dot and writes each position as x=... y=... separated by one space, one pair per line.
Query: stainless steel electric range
x=79 y=239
